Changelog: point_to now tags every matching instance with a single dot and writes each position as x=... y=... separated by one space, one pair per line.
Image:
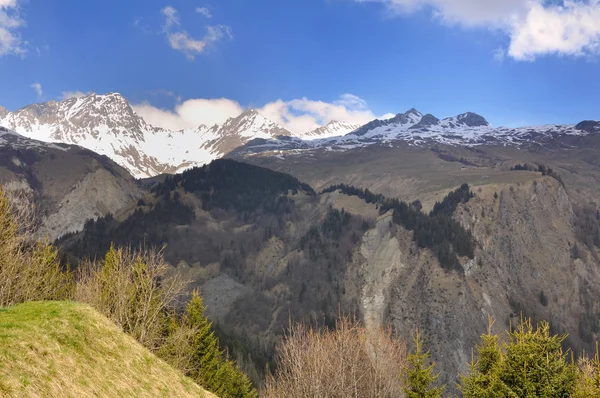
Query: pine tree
x=209 y=365
x=484 y=379
x=530 y=364
x=420 y=378
x=588 y=377
x=535 y=365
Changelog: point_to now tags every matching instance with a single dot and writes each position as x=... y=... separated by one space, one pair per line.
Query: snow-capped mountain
x=415 y=128
x=108 y=125
x=331 y=129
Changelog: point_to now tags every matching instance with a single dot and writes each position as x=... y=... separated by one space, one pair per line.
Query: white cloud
x=571 y=29
x=37 y=87
x=10 y=23
x=180 y=39
x=73 y=94
x=298 y=115
x=534 y=27
x=190 y=114
x=204 y=11
x=302 y=115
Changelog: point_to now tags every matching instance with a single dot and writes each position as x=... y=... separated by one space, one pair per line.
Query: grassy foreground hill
x=66 y=349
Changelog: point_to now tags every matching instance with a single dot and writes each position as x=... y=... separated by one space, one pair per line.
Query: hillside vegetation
x=66 y=349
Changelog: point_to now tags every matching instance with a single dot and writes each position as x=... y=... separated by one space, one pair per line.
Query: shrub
x=29 y=270
x=347 y=361
x=131 y=288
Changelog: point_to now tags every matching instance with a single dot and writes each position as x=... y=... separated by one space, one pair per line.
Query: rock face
x=525 y=238
x=67 y=184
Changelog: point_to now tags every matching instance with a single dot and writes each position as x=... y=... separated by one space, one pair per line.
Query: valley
x=266 y=241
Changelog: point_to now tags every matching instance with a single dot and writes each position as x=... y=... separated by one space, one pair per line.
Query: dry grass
x=64 y=349
x=350 y=361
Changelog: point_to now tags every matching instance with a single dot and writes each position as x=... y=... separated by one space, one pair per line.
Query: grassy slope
x=65 y=349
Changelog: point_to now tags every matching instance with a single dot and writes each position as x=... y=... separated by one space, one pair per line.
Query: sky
x=303 y=63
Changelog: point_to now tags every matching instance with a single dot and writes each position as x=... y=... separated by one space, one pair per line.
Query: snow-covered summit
x=107 y=124
x=332 y=129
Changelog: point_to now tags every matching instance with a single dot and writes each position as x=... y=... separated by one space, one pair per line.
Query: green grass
x=66 y=349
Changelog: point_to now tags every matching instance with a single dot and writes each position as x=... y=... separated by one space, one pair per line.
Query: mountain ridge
x=108 y=124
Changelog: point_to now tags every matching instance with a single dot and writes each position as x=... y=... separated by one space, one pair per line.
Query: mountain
x=331 y=129
x=68 y=184
x=264 y=248
x=237 y=131
x=415 y=129
x=108 y=125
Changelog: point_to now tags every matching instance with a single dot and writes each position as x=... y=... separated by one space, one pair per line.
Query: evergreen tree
x=484 y=379
x=210 y=366
x=588 y=377
x=535 y=365
x=530 y=364
x=420 y=378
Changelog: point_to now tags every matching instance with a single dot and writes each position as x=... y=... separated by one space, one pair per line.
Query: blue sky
x=440 y=56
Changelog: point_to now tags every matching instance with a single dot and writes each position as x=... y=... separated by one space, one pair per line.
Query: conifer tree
x=420 y=378
x=588 y=377
x=484 y=379
x=535 y=365
x=530 y=364
x=209 y=365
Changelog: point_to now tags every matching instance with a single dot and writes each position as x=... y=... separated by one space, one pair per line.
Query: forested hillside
x=264 y=248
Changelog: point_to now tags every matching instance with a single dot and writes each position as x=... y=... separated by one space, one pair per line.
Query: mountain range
x=311 y=233
x=108 y=125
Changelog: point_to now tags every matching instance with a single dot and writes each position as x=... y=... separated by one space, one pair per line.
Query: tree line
x=437 y=230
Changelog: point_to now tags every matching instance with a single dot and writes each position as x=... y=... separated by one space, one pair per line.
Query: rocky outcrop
x=523 y=265
x=67 y=184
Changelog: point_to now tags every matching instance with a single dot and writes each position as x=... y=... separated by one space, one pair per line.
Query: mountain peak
x=334 y=128
x=413 y=111
x=471 y=119
x=249 y=112
x=590 y=126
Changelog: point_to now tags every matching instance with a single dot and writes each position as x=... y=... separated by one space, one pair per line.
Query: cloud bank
x=297 y=115
x=534 y=27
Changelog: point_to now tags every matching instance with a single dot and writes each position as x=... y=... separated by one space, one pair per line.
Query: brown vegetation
x=131 y=288
x=29 y=270
x=348 y=361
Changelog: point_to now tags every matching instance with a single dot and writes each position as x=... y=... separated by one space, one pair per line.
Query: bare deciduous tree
x=348 y=361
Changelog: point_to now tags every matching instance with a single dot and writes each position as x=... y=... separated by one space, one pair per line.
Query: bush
x=29 y=270
x=131 y=288
x=348 y=361
x=588 y=377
